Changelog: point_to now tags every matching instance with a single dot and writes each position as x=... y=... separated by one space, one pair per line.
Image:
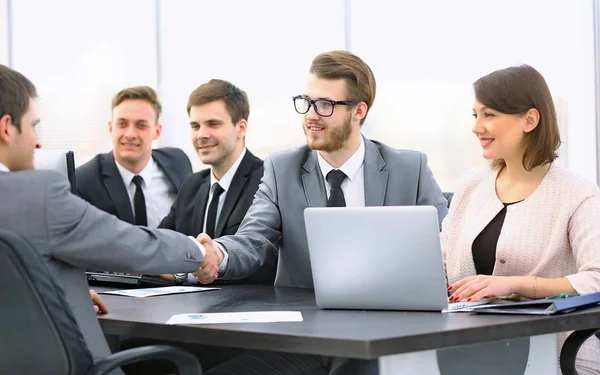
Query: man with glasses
x=337 y=167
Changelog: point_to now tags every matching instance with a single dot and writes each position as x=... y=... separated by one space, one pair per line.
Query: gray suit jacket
x=293 y=181
x=72 y=236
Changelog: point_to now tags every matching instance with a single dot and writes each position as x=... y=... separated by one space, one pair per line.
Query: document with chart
x=151 y=292
x=237 y=317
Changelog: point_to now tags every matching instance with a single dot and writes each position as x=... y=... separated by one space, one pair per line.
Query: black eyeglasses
x=323 y=107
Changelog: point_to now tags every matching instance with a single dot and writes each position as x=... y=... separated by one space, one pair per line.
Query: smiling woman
x=516 y=103
x=504 y=235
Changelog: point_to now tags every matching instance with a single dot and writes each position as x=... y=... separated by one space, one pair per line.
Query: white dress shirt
x=3 y=168
x=225 y=183
x=159 y=192
x=353 y=186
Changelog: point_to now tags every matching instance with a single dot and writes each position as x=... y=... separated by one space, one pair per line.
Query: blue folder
x=541 y=306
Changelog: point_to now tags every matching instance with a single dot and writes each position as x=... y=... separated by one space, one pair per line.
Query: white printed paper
x=237 y=317
x=159 y=291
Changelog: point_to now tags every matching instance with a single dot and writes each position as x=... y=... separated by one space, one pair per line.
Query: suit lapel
x=375 y=177
x=165 y=165
x=235 y=190
x=312 y=181
x=113 y=182
x=200 y=205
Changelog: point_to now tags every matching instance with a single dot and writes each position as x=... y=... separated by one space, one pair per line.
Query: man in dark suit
x=215 y=200
x=134 y=182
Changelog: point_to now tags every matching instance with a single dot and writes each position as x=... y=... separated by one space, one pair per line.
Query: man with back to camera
x=337 y=167
x=134 y=182
x=70 y=234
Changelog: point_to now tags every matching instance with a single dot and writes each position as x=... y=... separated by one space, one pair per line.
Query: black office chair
x=58 y=160
x=568 y=354
x=448 y=197
x=39 y=334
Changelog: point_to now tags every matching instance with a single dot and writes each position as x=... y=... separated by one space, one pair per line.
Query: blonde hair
x=145 y=93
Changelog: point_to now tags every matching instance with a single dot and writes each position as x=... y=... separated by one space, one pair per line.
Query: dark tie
x=335 y=178
x=139 y=202
x=211 y=218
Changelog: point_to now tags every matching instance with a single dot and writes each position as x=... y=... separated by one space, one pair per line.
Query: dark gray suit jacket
x=293 y=181
x=72 y=236
x=100 y=183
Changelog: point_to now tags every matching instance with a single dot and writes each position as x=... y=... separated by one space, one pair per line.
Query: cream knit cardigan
x=555 y=232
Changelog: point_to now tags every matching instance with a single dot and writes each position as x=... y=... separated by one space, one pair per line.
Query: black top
x=484 y=245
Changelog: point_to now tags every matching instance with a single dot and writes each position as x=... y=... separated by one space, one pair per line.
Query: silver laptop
x=376 y=258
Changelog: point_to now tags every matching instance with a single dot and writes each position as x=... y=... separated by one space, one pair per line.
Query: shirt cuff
x=223 y=265
x=191 y=279
x=202 y=249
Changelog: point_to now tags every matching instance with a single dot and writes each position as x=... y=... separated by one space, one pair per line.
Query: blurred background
x=425 y=56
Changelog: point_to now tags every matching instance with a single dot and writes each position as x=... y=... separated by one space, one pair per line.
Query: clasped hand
x=209 y=270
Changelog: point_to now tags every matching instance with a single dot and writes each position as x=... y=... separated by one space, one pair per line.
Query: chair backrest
x=448 y=196
x=58 y=160
x=38 y=330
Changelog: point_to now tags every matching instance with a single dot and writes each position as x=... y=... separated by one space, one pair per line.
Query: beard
x=335 y=139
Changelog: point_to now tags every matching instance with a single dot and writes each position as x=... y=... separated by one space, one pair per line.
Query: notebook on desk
x=103 y=278
x=541 y=306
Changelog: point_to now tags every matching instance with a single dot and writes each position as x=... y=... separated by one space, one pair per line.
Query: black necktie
x=211 y=218
x=335 y=178
x=139 y=202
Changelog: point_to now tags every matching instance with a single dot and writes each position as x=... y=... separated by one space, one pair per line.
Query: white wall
x=4 y=37
x=79 y=54
x=266 y=54
x=431 y=52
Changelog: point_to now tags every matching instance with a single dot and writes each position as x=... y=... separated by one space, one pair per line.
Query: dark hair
x=236 y=100
x=145 y=93
x=359 y=78
x=516 y=90
x=15 y=92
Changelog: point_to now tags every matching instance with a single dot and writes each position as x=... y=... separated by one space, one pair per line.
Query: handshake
x=209 y=270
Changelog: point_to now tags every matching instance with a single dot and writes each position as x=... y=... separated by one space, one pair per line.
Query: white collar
x=350 y=167
x=3 y=168
x=227 y=178
x=146 y=173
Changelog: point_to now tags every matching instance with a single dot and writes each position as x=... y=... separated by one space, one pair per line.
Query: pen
x=562 y=295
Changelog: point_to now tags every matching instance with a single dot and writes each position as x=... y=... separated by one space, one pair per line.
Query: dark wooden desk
x=399 y=339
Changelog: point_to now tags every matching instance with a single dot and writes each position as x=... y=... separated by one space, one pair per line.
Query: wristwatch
x=180 y=278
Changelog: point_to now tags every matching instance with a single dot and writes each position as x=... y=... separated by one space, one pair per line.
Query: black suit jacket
x=187 y=213
x=100 y=183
